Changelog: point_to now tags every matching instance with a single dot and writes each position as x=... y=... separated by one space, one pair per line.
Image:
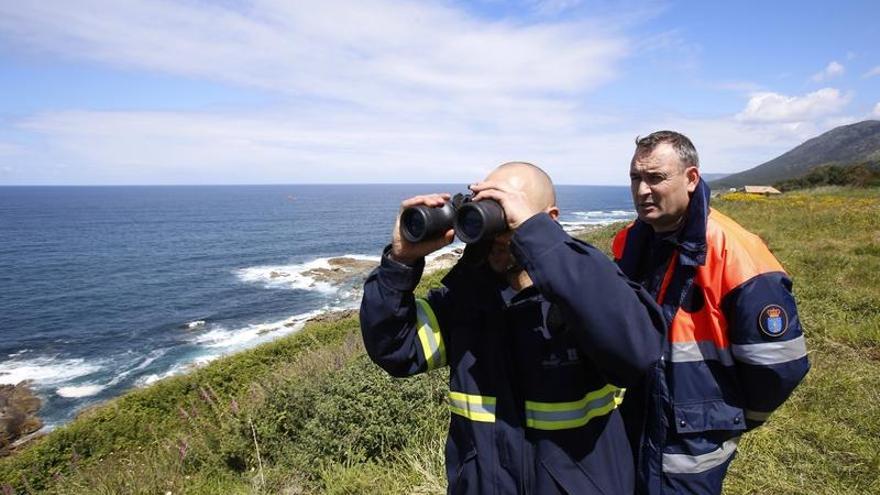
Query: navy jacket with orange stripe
x=735 y=348
x=534 y=379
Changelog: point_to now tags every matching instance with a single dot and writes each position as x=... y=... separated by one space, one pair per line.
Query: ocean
x=104 y=289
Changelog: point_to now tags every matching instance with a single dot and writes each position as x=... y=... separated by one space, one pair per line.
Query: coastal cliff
x=309 y=413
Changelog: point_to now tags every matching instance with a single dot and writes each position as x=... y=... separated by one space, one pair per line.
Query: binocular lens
x=470 y=224
x=414 y=225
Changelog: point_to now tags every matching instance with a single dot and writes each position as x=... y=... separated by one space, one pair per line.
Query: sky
x=429 y=91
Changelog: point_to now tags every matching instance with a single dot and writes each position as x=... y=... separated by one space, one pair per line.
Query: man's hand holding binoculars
x=429 y=222
x=407 y=252
x=515 y=203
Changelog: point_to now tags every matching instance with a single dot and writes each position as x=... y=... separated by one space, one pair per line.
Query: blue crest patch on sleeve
x=773 y=320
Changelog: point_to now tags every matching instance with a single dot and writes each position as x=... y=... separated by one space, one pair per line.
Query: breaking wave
x=325 y=275
x=46 y=370
x=580 y=220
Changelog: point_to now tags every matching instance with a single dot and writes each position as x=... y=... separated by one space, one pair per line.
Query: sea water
x=103 y=289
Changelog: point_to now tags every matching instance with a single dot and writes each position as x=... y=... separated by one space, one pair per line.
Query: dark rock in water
x=18 y=409
x=341 y=270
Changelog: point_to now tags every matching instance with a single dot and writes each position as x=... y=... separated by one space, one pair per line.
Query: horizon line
x=280 y=184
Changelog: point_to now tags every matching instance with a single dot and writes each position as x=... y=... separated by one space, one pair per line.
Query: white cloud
x=727 y=144
x=368 y=91
x=876 y=112
x=775 y=107
x=352 y=50
x=832 y=70
x=175 y=147
x=365 y=89
x=291 y=147
x=873 y=72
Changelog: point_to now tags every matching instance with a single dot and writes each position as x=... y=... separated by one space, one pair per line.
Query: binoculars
x=473 y=221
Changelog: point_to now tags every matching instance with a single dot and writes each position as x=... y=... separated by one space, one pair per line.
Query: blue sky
x=272 y=91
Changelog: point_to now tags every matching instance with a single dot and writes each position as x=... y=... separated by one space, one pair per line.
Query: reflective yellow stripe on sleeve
x=566 y=415
x=429 y=335
x=473 y=407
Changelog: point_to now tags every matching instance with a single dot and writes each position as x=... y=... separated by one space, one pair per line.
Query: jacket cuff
x=536 y=236
x=399 y=276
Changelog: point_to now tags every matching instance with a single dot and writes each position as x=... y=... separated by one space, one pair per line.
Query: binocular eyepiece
x=473 y=221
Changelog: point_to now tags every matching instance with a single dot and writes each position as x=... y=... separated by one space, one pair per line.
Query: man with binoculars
x=541 y=333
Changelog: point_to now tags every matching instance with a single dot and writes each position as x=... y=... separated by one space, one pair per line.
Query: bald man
x=541 y=333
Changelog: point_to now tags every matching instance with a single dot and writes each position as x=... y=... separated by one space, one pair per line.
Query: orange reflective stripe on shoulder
x=619 y=242
x=735 y=255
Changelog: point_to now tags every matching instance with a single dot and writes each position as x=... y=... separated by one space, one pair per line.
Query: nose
x=643 y=190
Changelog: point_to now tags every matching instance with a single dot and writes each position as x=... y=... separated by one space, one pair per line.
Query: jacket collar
x=692 y=236
x=690 y=241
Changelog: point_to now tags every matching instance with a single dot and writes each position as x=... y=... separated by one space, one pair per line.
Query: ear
x=553 y=212
x=693 y=178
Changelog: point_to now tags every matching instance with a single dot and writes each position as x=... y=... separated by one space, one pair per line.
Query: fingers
x=491 y=184
x=409 y=253
x=431 y=200
x=495 y=194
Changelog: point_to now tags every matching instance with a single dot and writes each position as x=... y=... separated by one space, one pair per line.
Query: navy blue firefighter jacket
x=734 y=352
x=535 y=380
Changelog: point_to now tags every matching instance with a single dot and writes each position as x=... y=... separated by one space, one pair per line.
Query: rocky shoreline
x=18 y=415
x=19 y=405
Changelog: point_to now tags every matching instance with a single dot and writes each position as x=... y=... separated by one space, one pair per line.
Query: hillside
x=844 y=145
x=310 y=413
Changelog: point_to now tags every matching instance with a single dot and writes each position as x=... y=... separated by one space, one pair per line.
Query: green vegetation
x=860 y=175
x=310 y=414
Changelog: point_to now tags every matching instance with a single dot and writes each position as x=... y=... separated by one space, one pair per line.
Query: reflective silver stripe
x=684 y=463
x=688 y=352
x=473 y=407
x=758 y=415
x=569 y=415
x=770 y=352
x=565 y=415
x=429 y=335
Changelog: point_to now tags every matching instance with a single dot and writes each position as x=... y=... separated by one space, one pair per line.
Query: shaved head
x=529 y=179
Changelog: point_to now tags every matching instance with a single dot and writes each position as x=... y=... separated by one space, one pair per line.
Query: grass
x=825 y=438
x=310 y=414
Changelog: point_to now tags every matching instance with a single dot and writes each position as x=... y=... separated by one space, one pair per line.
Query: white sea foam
x=603 y=216
x=77 y=391
x=222 y=338
x=148 y=360
x=579 y=220
x=45 y=370
x=154 y=377
x=361 y=257
x=287 y=276
x=195 y=324
x=219 y=341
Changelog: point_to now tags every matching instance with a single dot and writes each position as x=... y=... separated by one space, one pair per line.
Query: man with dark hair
x=735 y=350
x=540 y=332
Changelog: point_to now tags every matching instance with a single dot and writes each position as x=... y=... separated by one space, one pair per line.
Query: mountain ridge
x=845 y=145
